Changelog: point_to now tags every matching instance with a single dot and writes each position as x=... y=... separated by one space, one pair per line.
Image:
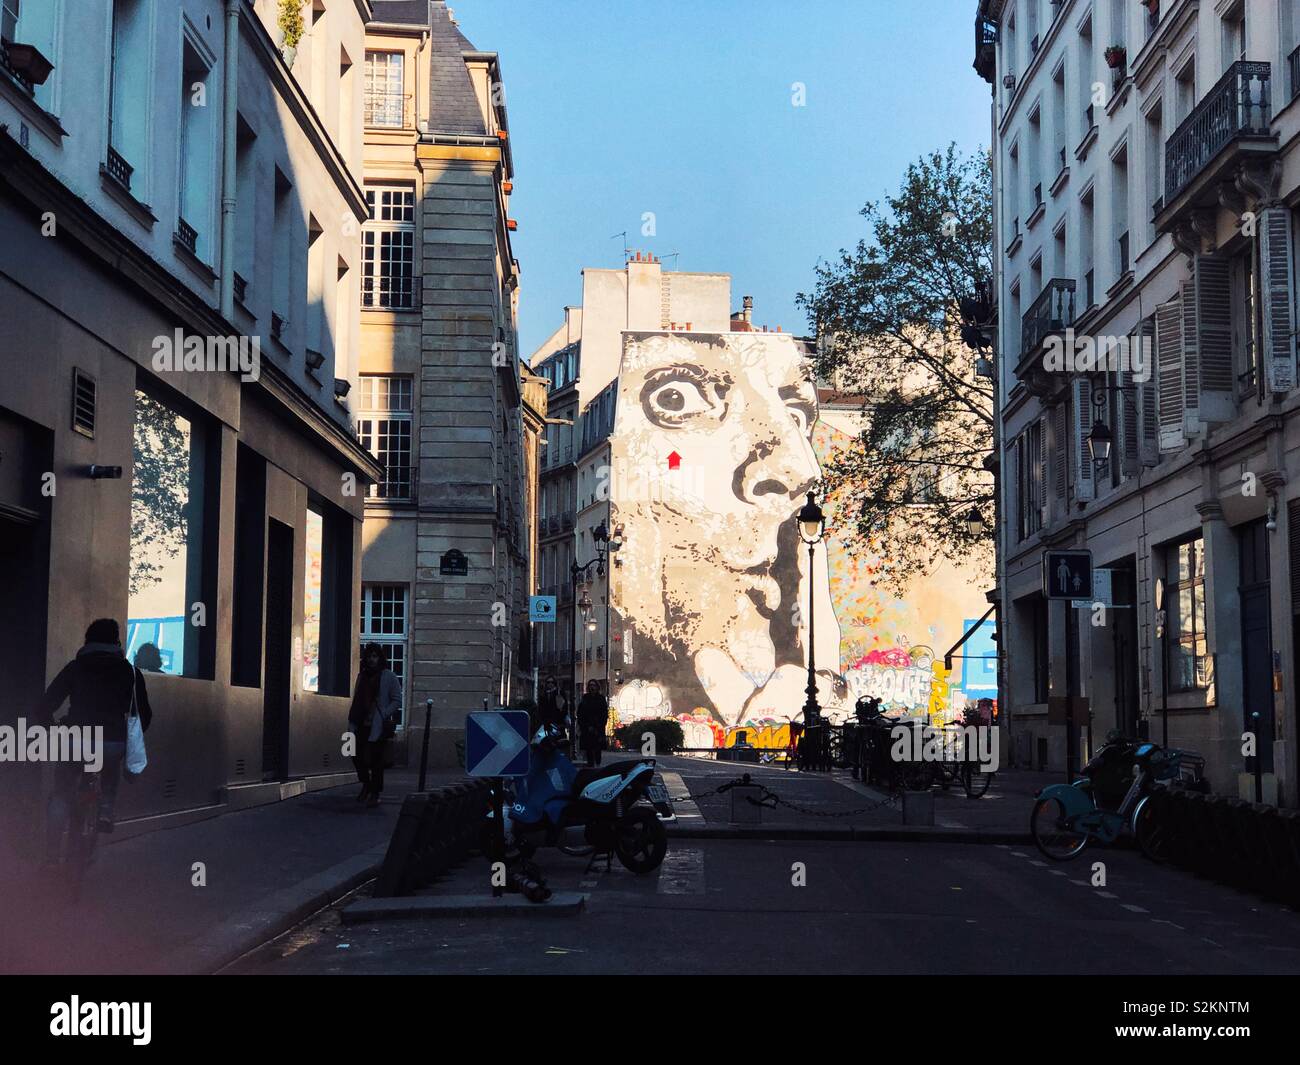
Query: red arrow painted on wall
x=674 y=461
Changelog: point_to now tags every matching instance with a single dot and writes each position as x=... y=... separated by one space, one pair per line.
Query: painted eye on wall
x=670 y=400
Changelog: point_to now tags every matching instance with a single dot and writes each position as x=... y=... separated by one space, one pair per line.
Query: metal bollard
x=744 y=812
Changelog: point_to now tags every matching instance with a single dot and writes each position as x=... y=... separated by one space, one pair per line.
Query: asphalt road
x=731 y=906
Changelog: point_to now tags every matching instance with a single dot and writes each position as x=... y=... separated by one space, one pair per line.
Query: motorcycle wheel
x=640 y=841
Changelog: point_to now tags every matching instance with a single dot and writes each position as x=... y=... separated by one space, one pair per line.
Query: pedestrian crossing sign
x=1067 y=574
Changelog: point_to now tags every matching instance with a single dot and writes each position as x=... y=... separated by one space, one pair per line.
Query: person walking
x=376 y=700
x=102 y=689
x=593 y=716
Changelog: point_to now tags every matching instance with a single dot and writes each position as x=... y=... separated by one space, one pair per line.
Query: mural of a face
x=712 y=456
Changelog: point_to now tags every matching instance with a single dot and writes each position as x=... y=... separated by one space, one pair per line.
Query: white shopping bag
x=136 y=759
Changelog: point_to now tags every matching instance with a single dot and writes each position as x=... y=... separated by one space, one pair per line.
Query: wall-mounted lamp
x=1271 y=524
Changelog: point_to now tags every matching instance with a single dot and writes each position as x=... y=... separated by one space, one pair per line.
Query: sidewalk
x=834 y=805
x=266 y=868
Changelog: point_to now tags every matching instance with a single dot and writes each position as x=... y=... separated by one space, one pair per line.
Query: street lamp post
x=604 y=545
x=812 y=526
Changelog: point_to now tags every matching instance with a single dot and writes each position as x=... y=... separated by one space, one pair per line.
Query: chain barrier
x=771 y=799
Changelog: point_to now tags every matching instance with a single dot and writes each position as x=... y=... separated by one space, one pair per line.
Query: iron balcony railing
x=6 y=64
x=241 y=289
x=1239 y=105
x=277 y=325
x=1293 y=69
x=118 y=168
x=1123 y=253
x=388 y=110
x=395 y=292
x=1052 y=312
x=188 y=235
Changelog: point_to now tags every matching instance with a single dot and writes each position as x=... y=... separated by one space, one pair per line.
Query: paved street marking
x=682 y=872
x=1135 y=909
x=1107 y=894
x=684 y=808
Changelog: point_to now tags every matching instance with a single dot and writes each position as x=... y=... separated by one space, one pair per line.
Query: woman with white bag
x=106 y=692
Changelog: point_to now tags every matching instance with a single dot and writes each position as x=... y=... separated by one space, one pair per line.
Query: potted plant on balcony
x=27 y=61
x=1152 y=6
x=291 y=28
x=1116 y=56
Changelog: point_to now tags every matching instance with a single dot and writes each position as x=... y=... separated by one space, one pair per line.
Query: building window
x=384 y=102
x=384 y=429
x=388 y=242
x=1042 y=653
x=328 y=610
x=128 y=108
x=383 y=621
x=170 y=604
x=194 y=226
x=1185 y=649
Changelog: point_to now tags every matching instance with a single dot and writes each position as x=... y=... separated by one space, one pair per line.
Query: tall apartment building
x=580 y=362
x=181 y=204
x=1146 y=179
x=445 y=404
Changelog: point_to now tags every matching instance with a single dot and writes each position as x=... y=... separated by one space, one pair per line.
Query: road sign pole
x=499 y=829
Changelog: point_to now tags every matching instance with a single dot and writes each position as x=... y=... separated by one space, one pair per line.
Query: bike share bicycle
x=1112 y=799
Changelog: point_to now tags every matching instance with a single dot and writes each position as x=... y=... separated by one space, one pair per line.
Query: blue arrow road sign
x=496 y=743
x=541 y=608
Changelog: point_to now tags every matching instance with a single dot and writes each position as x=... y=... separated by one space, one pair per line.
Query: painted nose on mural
x=775 y=468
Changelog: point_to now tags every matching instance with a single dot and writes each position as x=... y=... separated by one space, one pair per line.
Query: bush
x=290 y=22
x=667 y=733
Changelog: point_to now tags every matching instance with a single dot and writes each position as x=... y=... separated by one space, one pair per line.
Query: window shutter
x=1126 y=414
x=1169 y=373
x=1084 y=489
x=1018 y=508
x=1213 y=323
x=1148 y=414
x=1191 y=356
x=1042 y=472
x=1277 y=284
x=1061 y=445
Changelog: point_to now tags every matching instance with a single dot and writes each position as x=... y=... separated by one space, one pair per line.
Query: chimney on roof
x=747 y=311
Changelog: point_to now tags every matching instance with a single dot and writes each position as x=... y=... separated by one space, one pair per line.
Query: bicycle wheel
x=1153 y=835
x=1052 y=833
x=975 y=781
x=83 y=835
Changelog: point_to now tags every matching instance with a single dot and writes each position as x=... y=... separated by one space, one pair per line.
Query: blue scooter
x=605 y=802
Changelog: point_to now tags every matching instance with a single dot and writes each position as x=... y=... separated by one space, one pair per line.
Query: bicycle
x=961 y=768
x=83 y=831
x=1066 y=817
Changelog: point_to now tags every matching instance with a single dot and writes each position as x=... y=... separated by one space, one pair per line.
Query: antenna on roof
x=626 y=250
x=673 y=256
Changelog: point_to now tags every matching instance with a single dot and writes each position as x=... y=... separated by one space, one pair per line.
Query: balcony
x=241 y=289
x=118 y=168
x=1232 y=121
x=1293 y=71
x=1052 y=312
x=187 y=235
x=388 y=110
x=394 y=293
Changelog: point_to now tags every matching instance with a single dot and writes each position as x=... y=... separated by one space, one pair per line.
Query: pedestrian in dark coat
x=101 y=688
x=376 y=700
x=593 y=718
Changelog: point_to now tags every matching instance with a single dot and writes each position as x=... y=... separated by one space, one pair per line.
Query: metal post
x=499 y=828
x=1259 y=761
x=424 y=748
x=1071 y=682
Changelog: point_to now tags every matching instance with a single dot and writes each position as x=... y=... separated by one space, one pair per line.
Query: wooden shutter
x=1061 y=446
x=1293 y=545
x=1148 y=413
x=1213 y=323
x=1128 y=436
x=1041 y=429
x=1084 y=487
x=1169 y=375
x=1277 y=285
x=1191 y=370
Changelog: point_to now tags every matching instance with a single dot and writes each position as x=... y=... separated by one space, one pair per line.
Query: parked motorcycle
x=605 y=802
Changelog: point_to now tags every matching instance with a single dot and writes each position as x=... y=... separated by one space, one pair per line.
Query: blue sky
x=683 y=108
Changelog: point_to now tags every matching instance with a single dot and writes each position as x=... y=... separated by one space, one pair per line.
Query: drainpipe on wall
x=229 y=122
